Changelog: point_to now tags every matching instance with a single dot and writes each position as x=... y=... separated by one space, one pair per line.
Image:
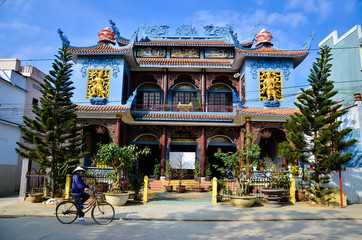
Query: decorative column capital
x=248 y=119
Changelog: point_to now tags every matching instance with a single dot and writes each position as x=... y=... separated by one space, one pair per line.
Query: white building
x=19 y=90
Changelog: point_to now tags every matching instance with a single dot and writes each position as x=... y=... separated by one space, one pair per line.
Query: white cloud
x=34 y=51
x=321 y=7
x=293 y=19
x=21 y=28
x=244 y=23
x=350 y=5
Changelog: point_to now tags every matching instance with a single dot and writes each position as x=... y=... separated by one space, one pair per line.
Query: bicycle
x=102 y=212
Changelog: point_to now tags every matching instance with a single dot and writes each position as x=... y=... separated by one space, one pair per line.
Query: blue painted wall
x=80 y=73
x=346 y=64
x=252 y=68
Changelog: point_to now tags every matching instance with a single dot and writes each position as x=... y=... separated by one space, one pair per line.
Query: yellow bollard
x=68 y=185
x=292 y=191
x=145 y=190
x=214 y=190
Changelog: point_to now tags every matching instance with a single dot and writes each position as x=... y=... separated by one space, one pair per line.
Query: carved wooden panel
x=228 y=77
x=110 y=124
x=172 y=77
x=139 y=77
x=135 y=131
x=256 y=127
x=231 y=132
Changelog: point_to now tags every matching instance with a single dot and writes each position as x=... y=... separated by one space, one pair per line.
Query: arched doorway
x=96 y=134
x=183 y=147
x=268 y=140
x=146 y=163
x=218 y=143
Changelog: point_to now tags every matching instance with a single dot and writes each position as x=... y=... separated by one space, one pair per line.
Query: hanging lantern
x=266 y=133
x=100 y=130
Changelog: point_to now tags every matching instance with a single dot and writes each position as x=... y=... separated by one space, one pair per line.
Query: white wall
x=351 y=183
x=10 y=134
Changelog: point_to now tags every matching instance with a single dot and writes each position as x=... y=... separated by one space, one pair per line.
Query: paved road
x=50 y=228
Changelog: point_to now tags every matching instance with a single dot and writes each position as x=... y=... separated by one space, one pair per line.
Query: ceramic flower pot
x=168 y=188
x=242 y=201
x=181 y=189
x=117 y=199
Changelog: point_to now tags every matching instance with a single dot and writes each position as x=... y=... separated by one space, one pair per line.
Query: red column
x=163 y=142
x=165 y=85
x=203 y=151
x=203 y=89
x=117 y=130
x=248 y=131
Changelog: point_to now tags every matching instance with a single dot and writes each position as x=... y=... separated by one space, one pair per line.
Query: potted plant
x=208 y=173
x=136 y=183
x=179 y=171
x=168 y=173
x=157 y=171
x=197 y=173
x=277 y=187
x=235 y=164
x=122 y=160
x=35 y=196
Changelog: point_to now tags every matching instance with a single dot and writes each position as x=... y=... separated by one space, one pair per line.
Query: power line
x=2 y=3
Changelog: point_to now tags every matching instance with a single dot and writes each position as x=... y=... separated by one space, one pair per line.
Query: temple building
x=184 y=95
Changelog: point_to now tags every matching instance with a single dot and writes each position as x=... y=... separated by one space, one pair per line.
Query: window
x=35 y=102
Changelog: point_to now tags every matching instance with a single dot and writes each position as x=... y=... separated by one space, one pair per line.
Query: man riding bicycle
x=78 y=193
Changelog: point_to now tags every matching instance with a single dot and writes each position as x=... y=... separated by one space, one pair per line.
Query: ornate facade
x=184 y=92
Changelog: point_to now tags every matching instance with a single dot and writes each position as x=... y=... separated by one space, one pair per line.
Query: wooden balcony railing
x=183 y=108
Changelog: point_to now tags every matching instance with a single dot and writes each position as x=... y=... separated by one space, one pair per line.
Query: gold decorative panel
x=98 y=83
x=270 y=86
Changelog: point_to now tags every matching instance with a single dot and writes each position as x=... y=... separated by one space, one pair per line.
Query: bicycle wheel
x=103 y=213
x=66 y=212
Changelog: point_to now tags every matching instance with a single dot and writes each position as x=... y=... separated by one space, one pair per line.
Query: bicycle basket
x=100 y=196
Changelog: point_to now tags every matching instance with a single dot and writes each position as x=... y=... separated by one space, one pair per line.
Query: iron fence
x=36 y=183
x=260 y=179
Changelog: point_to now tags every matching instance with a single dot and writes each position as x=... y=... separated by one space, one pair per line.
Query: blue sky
x=28 y=28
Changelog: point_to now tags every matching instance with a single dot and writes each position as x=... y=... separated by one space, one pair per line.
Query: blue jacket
x=78 y=184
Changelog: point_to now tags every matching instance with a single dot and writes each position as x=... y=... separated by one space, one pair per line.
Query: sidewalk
x=12 y=207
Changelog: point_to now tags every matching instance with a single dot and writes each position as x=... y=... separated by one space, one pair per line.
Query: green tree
x=235 y=163
x=120 y=159
x=52 y=138
x=315 y=131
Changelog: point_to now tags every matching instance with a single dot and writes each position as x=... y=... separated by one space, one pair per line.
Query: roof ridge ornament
x=114 y=29
x=308 y=43
x=65 y=41
x=161 y=30
x=211 y=30
x=186 y=30
x=263 y=38
x=106 y=36
x=255 y=30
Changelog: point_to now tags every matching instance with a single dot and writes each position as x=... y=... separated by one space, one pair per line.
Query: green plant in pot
x=208 y=173
x=35 y=195
x=277 y=188
x=157 y=171
x=121 y=159
x=180 y=172
x=168 y=173
x=197 y=173
x=136 y=183
x=236 y=164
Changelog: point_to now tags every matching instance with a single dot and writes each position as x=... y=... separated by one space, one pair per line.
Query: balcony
x=184 y=113
x=184 y=108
